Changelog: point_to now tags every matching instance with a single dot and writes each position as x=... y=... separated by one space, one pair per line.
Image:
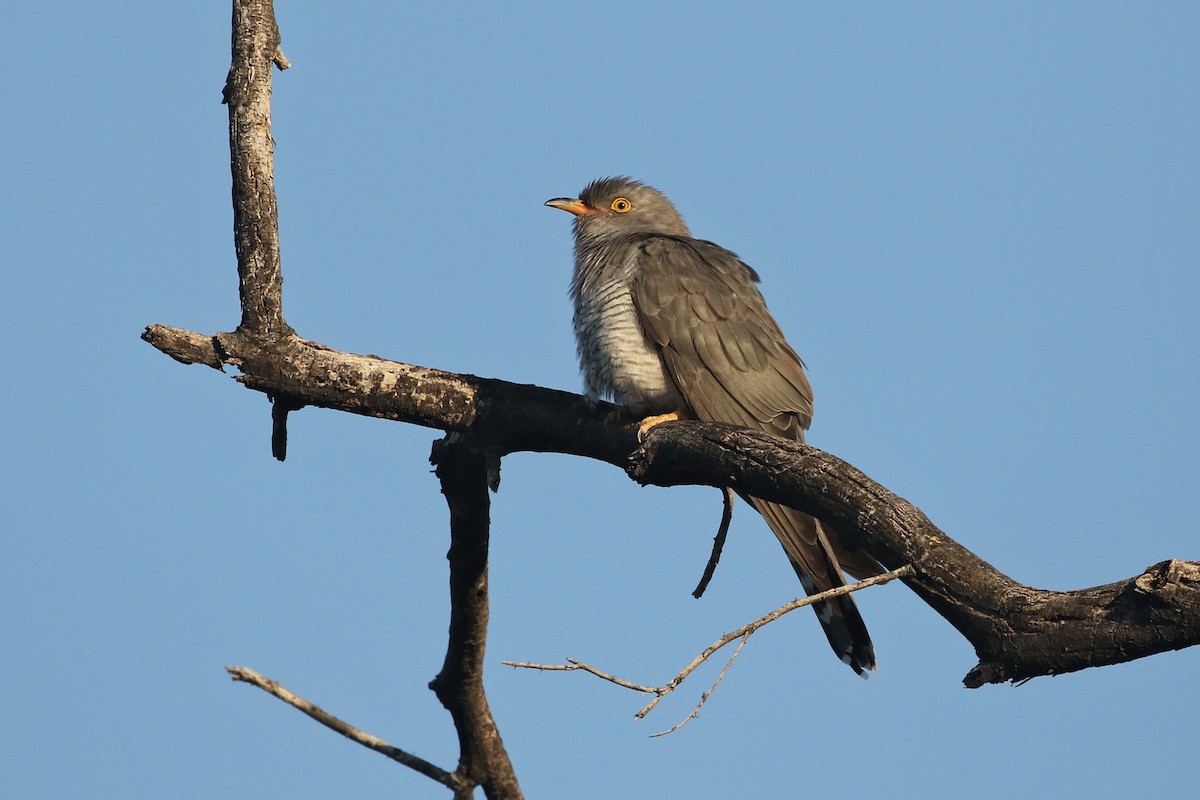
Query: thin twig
x=247 y=675
x=742 y=633
x=704 y=697
x=751 y=627
x=718 y=543
x=575 y=664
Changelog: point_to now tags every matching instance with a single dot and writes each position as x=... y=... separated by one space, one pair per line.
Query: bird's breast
x=615 y=355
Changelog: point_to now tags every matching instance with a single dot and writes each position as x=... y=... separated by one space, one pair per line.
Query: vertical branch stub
x=247 y=92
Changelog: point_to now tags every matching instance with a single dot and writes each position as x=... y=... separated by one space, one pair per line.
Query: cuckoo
x=674 y=327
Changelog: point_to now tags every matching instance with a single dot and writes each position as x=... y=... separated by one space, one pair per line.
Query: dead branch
x=255 y=214
x=463 y=469
x=718 y=542
x=743 y=633
x=264 y=344
x=695 y=712
x=448 y=779
x=1018 y=632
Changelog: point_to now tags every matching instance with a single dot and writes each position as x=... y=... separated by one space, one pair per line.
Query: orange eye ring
x=621 y=205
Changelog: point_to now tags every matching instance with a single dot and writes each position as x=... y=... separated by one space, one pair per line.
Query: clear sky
x=978 y=223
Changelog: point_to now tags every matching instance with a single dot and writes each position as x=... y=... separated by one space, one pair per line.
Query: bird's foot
x=649 y=422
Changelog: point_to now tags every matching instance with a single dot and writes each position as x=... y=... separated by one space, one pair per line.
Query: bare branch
x=510 y=417
x=1018 y=632
x=744 y=633
x=247 y=675
x=718 y=542
x=464 y=471
x=750 y=627
x=255 y=213
x=266 y=350
x=704 y=697
x=280 y=408
x=574 y=664
x=186 y=347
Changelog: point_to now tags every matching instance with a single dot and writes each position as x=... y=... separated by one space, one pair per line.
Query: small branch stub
x=718 y=542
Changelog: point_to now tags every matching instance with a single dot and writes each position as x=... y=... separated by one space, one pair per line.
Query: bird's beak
x=571 y=205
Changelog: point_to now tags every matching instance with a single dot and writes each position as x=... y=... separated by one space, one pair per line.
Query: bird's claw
x=649 y=422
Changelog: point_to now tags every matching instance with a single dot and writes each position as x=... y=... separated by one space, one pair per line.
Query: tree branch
x=743 y=633
x=509 y=417
x=718 y=542
x=1018 y=632
x=268 y=352
x=448 y=779
x=255 y=214
x=463 y=470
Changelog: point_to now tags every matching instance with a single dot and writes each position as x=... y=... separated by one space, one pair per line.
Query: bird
x=673 y=327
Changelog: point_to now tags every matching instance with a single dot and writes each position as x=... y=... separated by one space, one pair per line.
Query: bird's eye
x=621 y=205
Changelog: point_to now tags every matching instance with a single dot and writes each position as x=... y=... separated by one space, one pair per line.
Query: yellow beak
x=572 y=206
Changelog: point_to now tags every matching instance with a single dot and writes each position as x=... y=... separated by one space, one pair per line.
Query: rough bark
x=255 y=46
x=463 y=470
x=293 y=373
x=1018 y=631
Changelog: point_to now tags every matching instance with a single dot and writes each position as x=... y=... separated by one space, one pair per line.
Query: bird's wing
x=731 y=363
x=698 y=302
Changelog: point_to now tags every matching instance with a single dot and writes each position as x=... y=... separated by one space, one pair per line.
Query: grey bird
x=674 y=327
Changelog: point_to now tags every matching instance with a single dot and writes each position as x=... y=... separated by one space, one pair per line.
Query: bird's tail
x=819 y=563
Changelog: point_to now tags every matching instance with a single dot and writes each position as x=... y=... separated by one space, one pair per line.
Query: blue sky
x=978 y=223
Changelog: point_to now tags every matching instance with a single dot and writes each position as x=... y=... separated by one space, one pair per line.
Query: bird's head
x=618 y=206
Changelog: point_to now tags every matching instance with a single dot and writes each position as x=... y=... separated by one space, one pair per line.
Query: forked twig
x=742 y=633
x=695 y=712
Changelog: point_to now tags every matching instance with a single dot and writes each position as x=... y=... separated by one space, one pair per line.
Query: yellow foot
x=649 y=422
